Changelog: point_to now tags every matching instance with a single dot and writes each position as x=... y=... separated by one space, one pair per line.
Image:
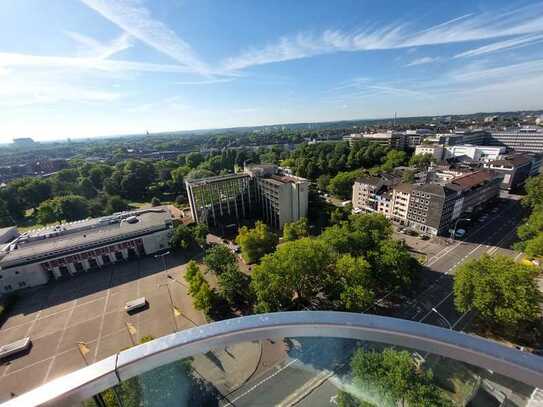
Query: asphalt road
x=495 y=236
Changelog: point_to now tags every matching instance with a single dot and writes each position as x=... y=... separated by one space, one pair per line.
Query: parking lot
x=90 y=309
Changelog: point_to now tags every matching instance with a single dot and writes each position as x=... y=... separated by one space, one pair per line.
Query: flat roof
x=94 y=232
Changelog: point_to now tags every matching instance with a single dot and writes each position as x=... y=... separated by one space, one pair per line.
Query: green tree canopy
x=182 y=237
x=503 y=293
x=342 y=184
x=218 y=258
x=68 y=208
x=391 y=378
x=292 y=276
x=234 y=287
x=422 y=161
x=296 y=230
x=256 y=242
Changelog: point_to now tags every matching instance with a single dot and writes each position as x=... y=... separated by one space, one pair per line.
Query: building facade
x=64 y=251
x=221 y=199
x=261 y=191
x=528 y=139
x=428 y=207
x=515 y=169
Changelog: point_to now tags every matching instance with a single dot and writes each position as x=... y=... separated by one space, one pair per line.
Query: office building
x=34 y=258
x=223 y=199
x=433 y=208
x=261 y=191
x=526 y=139
x=477 y=189
x=516 y=168
x=475 y=153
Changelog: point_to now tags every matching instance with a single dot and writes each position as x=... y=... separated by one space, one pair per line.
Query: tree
x=391 y=378
x=86 y=188
x=218 y=258
x=234 y=287
x=182 y=237
x=200 y=232
x=393 y=159
x=155 y=201
x=342 y=184
x=393 y=265
x=32 y=191
x=296 y=230
x=203 y=298
x=68 y=208
x=353 y=283
x=292 y=276
x=256 y=242
x=503 y=293
x=323 y=182
x=194 y=159
x=534 y=192
x=115 y=204
x=422 y=161
x=198 y=174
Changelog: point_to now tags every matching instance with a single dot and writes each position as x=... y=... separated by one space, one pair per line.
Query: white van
x=15 y=347
x=135 y=304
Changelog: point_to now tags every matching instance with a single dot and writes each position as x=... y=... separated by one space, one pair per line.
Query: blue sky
x=83 y=68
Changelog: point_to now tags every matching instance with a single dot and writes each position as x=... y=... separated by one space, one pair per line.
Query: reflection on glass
x=315 y=372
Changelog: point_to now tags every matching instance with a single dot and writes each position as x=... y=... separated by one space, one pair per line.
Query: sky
x=85 y=68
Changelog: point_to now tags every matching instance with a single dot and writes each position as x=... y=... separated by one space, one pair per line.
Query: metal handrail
x=84 y=383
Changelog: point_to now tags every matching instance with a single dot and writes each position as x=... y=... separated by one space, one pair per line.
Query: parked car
x=135 y=304
x=15 y=347
x=460 y=233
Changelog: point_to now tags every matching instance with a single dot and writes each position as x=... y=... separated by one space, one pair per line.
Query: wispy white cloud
x=135 y=19
x=471 y=27
x=206 y=81
x=422 y=61
x=26 y=60
x=89 y=47
x=512 y=43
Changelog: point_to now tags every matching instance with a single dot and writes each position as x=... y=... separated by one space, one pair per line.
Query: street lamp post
x=163 y=257
x=442 y=317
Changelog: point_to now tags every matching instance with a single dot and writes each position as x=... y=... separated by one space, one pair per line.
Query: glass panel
x=317 y=372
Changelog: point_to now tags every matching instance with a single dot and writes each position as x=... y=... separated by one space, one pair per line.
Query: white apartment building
x=372 y=194
x=477 y=153
x=400 y=202
x=435 y=150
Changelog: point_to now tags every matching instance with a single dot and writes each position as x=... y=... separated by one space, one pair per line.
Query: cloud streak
x=471 y=27
x=133 y=18
x=34 y=61
x=422 y=61
x=508 y=44
x=89 y=47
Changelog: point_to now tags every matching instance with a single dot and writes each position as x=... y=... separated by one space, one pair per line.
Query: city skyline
x=97 y=68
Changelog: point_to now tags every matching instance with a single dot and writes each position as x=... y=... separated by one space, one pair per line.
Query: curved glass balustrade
x=304 y=359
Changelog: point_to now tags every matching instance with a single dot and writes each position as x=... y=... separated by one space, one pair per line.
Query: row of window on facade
x=75 y=258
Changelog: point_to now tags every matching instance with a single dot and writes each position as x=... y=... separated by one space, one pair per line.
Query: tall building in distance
x=262 y=192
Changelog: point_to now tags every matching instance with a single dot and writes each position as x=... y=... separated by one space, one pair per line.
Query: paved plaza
x=90 y=308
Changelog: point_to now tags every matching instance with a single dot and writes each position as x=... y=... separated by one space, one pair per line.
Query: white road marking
x=63 y=333
x=230 y=402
